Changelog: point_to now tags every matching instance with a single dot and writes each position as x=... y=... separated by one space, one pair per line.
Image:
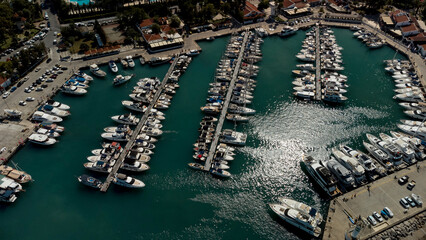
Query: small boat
x=134 y=166
x=41 y=139
x=73 y=90
x=113 y=66
x=287 y=31
x=90 y=181
x=126 y=181
x=119 y=137
x=236 y=118
x=130 y=61
x=49 y=133
x=142 y=60
x=193 y=52
x=97 y=71
x=17 y=175
x=99 y=166
x=44 y=117
x=134 y=106
x=12 y=113
x=196 y=166
x=220 y=173
x=58 y=105
x=52 y=126
x=128 y=119
x=54 y=111
x=124 y=63
x=120 y=79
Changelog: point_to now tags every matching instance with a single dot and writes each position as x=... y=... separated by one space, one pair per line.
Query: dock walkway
x=137 y=130
x=216 y=137
x=317 y=65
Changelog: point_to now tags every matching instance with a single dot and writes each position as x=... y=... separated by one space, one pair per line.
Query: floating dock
x=317 y=65
x=137 y=130
x=225 y=106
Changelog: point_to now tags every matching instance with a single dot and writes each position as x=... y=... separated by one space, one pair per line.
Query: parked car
x=411 y=185
x=372 y=220
x=48 y=60
x=5 y=95
x=378 y=217
x=404 y=203
x=27 y=90
x=388 y=212
x=403 y=180
x=13 y=89
x=384 y=215
x=410 y=201
x=22 y=103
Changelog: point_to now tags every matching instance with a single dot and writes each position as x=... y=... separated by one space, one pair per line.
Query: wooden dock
x=225 y=106
x=317 y=65
x=137 y=130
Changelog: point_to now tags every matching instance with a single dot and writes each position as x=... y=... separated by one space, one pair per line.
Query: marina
x=278 y=135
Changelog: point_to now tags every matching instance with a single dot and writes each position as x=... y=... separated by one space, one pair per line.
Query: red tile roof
x=409 y=28
x=396 y=12
x=287 y=3
x=402 y=18
x=312 y=1
x=152 y=37
x=423 y=46
x=251 y=11
x=421 y=37
x=300 y=5
x=146 y=23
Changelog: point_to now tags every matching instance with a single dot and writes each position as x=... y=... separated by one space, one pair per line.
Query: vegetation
x=264 y=4
x=22 y=62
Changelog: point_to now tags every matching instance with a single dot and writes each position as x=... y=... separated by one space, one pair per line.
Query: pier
x=137 y=130
x=317 y=65
x=225 y=106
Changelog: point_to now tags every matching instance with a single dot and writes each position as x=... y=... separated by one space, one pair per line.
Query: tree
x=84 y=47
x=155 y=28
x=175 y=21
x=264 y=4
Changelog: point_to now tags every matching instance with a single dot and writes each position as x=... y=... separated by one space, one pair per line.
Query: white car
x=39 y=89
x=22 y=103
x=6 y=94
x=37 y=69
x=27 y=90
x=30 y=99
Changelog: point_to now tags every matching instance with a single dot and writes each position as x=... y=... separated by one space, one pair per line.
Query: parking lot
x=362 y=202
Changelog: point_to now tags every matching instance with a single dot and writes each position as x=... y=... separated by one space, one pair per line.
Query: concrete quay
x=317 y=65
x=362 y=202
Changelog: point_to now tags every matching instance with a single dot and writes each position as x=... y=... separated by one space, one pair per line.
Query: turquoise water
x=178 y=203
x=81 y=2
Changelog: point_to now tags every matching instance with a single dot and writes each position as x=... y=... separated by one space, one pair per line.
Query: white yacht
x=119 y=137
x=99 y=166
x=382 y=157
x=130 y=61
x=388 y=148
x=193 y=52
x=196 y=166
x=153 y=132
x=343 y=174
x=287 y=31
x=406 y=151
x=97 y=71
x=417 y=114
x=333 y=97
x=73 y=90
x=303 y=208
x=54 y=111
x=322 y=176
x=220 y=172
x=229 y=136
x=126 y=181
x=352 y=164
x=58 y=105
x=40 y=116
x=135 y=106
x=8 y=188
x=297 y=218
x=417 y=131
x=134 y=166
x=113 y=66
x=366 y=162
x=49 y=133
x=128 y=119
x=410 y=97
x=304 y=95
x=41 y=139
x=120 y=79
x=412 y=105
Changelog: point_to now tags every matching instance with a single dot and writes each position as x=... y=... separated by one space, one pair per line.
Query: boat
x=124 y=63
x=17 y=175
x=382 y=157
x=410 y=97
x=44 y=117
x=416 y=114
x=342 y=174
x=196 y=166
x=229 y=136
x=54 y=111
x=12 y=113
x=304 y=95
x=287 y=31
x=152 y=132
x=49 y=133
x=322 y=176
x=297 y=218
x=413 y=106
x=130 y=61
x=142 y=60
x=140 y=156
x=58 y=105
x=236 y=118
x=363 y=159
x=126 y=181
x=113 y=66
x=159 y=60
x=8 y=188
x=97 y=71
x=128 y=119
x=73 y=90
x=407 y=152
x=233 y=108
x=41 y=139
x=145 y=137
x=134 y=106
x=120 y=79
x=303 y=208
x=52 y=126
x=388 y=148
x=99 y=166
x=90 y=181
x=220 y=173
x=193 y=52
x=333 y=97
x=134 y=166
x=351 y=164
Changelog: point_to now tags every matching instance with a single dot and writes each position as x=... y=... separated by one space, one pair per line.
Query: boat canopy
x=312 y=212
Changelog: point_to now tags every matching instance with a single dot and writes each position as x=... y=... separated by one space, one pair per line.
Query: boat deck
x=221 y=119
x=137 y=130
x=317 y=65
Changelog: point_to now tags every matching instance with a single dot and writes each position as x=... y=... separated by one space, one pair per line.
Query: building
x=422 y=49
x=409 y=30
x=291 y=4
x=252 y=14
x=166 y=39
x=314 y=3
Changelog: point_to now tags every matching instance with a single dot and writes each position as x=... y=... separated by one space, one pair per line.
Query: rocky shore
x=404 y=229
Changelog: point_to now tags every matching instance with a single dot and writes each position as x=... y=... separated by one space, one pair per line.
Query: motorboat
x=322 y=176
x=193 y=52
x=134 y=106
x=417 y=131
x=58 y=105
x=406 y=151
x=49 y=109
x=388 y=148
x=128 y=119
x=363 y=159
x=126 y=181
x=417 y=114
x=233 y=108
x=410 y=97
x=413 y=105
x=302 y=207
x=17 y=175
x=118 y=129
x=52 y=126
x=236 y=118
x=73 y=90
x=196 y=166
x=47 y=132
x=287 y=31
x=145 y=137
x=415 y=144
x=220 y=173
x=41 y=139
x=97 y=71
x=304 y=95
x=307 y=66
x=144 y=144
x=333 y=97
x=229 y=136
x=90 y=181
x=382 y=157
x=12 y=113
x=134 y=166
x=102 y=157
x=297 y=218
x=342 y=174
x=40 y=116
x=135 y=155
x=120 y=79
x=99 y=166
x=119 y=137
x=153 y=132
x=351 y=164
x=130 y=61
x=113 y=66
x=124 y=63
x=159 y=60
